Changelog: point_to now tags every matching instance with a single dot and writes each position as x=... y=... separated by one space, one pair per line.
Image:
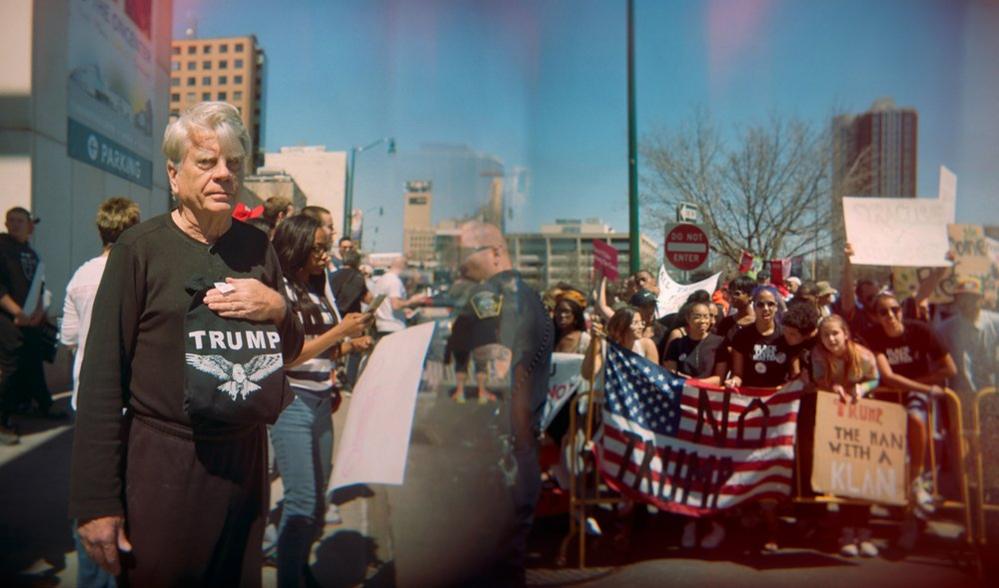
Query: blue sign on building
x=89 y=146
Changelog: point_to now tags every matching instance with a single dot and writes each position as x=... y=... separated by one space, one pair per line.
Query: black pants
x=195 y=510
x=22 y=377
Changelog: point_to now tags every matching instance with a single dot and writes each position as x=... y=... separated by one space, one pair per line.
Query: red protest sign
x=605 y=259
x=746 y=262
x=780 y=270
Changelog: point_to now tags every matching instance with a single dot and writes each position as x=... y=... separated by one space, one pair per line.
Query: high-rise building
x=227 y=69
x=874 y=153
x=417 y=230
x=319 y=173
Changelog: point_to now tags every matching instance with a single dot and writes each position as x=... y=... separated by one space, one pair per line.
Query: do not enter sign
x=686 y=246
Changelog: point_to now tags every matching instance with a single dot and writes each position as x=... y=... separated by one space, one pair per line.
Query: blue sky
x=541 y=84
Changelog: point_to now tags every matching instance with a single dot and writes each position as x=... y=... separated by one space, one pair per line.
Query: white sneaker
x=714 y=537
x=848 y=543
x=867 y=548
x=689 y=539
x=922 y=497
x=593 y=528
x=332 y=515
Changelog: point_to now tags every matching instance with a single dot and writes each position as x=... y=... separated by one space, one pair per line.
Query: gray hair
x=219 y=117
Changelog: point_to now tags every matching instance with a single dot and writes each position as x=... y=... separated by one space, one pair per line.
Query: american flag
x=692 y=448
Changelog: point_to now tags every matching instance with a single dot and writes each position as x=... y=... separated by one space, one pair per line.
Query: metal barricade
x=584 y=487
x=983 y=506
x=955 y=438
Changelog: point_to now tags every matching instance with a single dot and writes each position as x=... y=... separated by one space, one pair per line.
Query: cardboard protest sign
x=605 y=260
x=564 y=380
x=672 y=295
x=975 y=255
x=908 y=232
x=860 y=449
x=375 y=439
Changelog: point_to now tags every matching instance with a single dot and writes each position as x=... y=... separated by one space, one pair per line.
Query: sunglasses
x=320 y=250
x=890 y=310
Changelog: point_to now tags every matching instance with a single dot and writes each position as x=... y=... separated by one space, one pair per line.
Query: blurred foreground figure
x=521 y=356
x=188 y=334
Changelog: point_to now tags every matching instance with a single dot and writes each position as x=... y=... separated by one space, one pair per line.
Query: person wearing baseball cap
x=972 y=335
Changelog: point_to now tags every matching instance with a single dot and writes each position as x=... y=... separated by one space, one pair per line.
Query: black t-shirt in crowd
x=911 y=353
x=695 y=358
x=349 y=288
x=766 y=359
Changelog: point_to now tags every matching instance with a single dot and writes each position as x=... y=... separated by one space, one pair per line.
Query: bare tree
x=769 y=192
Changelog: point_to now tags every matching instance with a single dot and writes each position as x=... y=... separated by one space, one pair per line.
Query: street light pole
x=348 y=188
x=634 y=258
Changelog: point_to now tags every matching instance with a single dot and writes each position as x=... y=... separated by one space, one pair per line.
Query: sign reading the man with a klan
x=860 y=449
x=691 y=448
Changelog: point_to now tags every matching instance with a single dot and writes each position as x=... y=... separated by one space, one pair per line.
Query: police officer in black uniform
x=521 y=356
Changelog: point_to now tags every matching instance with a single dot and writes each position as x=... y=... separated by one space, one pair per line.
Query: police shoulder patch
x=486 y=304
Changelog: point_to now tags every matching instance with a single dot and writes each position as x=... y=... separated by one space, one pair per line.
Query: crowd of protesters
x=852 y=341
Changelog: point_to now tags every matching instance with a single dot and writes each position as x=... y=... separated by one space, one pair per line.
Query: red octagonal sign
x=686 y=247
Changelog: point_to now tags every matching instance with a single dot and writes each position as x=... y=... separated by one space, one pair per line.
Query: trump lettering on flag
x=692 y=448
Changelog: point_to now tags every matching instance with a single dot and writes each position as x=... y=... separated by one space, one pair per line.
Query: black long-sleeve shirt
x=135 y=347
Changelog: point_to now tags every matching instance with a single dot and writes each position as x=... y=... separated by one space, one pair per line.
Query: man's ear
x=172 y=176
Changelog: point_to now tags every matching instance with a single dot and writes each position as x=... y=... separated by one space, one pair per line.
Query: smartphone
x=376 y=303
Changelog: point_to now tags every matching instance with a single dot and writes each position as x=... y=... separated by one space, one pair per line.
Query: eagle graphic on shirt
x=238 y=379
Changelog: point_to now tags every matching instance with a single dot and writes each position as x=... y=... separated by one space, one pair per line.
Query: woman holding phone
x=303 y=434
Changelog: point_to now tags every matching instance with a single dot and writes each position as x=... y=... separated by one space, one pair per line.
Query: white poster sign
x=910 y=232
x=375 y=439
x=563 y=381
x=948 y=194
x=672 y=295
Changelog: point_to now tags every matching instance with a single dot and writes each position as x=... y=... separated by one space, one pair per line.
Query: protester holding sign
x=911 y=358
x=303 y=434
x=849 y=369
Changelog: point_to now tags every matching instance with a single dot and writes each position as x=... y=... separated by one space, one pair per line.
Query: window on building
x=191 y=65
x=189 y=97
x=174 y=66
x=174 y=113
x=174 y=82
x=237 y=79
x=206 y=49
x=174 y=97
x=237 y=95
x=206 y=80
x=175 y=50
x=223 y=64
x=206 y=95
x=239 y=48
x=222 y=96
x=190 y=81
x=206 y=65
x=191 y=49
x=223 y=48
x=223 y=79
x=238 y=64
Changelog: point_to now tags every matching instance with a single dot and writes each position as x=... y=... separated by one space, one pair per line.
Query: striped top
x=313 y=376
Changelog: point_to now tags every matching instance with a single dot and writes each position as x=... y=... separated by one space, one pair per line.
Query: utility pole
x=634 y=254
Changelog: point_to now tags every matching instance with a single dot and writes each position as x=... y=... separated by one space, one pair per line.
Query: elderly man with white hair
x=166 y=495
